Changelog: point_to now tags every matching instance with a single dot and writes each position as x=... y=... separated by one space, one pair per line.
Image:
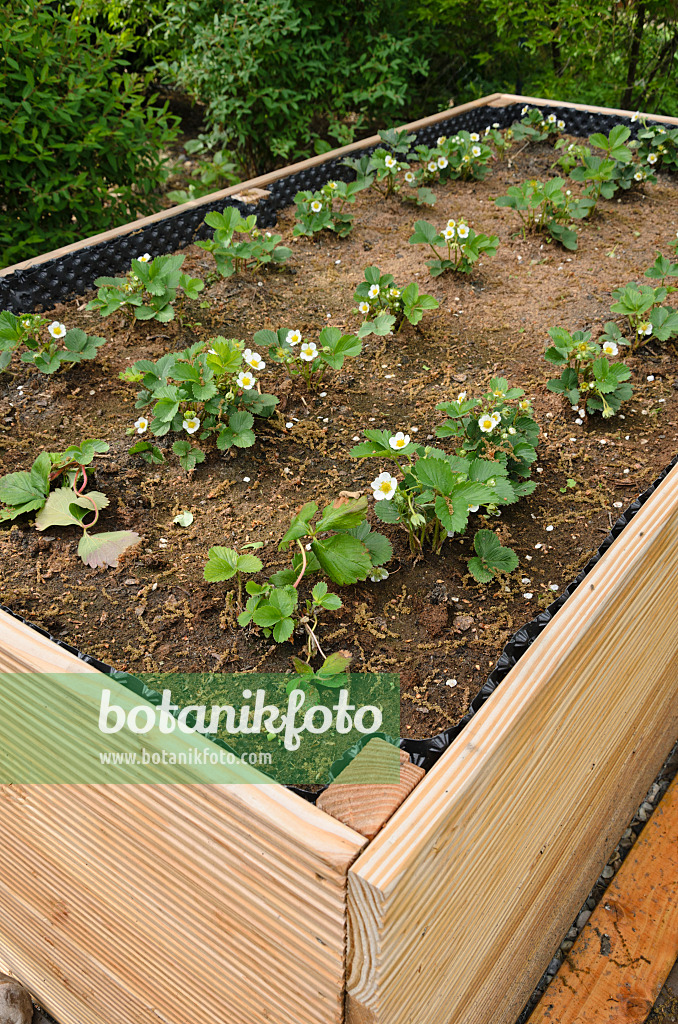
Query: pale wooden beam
x=457 y=906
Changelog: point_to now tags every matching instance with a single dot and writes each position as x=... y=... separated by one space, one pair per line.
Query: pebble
x=608 y=871
x=130 y=582
x=16 y=1006
x=582 y=919
x=553 y=966
x=647 y=807
x=566 y=946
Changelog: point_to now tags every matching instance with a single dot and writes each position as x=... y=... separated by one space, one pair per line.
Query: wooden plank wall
x=179 y=903
x=457 y=906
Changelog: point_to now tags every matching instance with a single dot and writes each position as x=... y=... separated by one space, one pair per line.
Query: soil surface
x=429 y=621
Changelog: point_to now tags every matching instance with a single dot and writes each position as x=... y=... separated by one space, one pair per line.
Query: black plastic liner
x=47 y=283
x=426 y=752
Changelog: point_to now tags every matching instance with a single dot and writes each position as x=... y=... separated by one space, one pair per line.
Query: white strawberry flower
x=524 y=405
x=495 y=124
x=399 y=441
x=316 y=206
x=442 y=162
x=441 y=140
x=432 y=166
x=496 y=418
x=512 y=431
x=246 y=380
x=25 y=324
x=253 y=359
x=610 y=348
x=561 y=126
x=394 y=293
x=146 y=258
x=645 y=328
x=476 y=151
x=141 y=425
x=378 y=574
x=463 y=230
x=524 y=110
x=474 y=137
x=486 y=423
x=461 y=397
x=56 y=329
x=448 y=234
x=308 y=351
x=390 y=161
x=635 y=116
x=374 y=291
x=191 y=422
x=639 y=176
x=364 y=308
x=384 y=487
x=332 y=185
x=551 y=119
x=293 y=337
x=452 y=223
x=409 y=177
x=652 y=158
x=473 y=508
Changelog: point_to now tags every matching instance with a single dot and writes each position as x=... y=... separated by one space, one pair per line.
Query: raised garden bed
x=459 y=849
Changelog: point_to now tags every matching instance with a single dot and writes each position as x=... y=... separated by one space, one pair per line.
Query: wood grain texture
x=506 y=99
x=365 y=806
x=177 y=903
x=459 y=903
x=618 y=964
x=259 y=182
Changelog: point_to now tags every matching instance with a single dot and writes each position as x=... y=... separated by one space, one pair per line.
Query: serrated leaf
x=104 y=549
x=343 y=558
x=343 y=515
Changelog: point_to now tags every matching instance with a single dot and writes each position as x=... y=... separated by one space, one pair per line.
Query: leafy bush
x=272 y=72
x=80 y=145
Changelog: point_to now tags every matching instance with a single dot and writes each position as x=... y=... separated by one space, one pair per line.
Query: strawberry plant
x=210 y=391
x=647 y=318
x=325 y=209
x=464 y=246
x=547 y=207
x=68 y=504
x=43 y=341
x=588 y=378
x=377 y=296
x=149 y=287
x=498 y=426
x=309 y=359
x=251 y=252
x=436 y=493
x=491 y=558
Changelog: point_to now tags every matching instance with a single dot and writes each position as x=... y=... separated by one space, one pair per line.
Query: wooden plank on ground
x=457 y=906
x=625 y=952
x=176 y=903
x=362 y=802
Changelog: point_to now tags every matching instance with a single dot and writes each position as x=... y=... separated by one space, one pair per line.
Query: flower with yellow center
x=399 y=441
x=316 y=206
x=141 y=425
x=56 y=329
x=293 y=337
x=384 y=487
x=246 y=380
x=191 y=422
x=308 y=352
x=253 y=359
x=486 y=423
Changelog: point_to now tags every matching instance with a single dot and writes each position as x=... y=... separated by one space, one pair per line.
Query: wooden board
x=625 y=952
x=506 y=99
x=457 y=906
x=177 y=903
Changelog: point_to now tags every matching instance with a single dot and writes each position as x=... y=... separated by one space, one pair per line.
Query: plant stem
x=304 y=563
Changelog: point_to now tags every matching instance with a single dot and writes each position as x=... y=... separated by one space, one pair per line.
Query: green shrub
x=80 y=144
x=275 y=74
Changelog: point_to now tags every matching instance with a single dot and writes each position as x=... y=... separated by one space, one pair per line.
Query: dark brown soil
x=429 y=621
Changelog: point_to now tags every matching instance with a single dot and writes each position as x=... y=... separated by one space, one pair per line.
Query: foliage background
x=84 y=143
